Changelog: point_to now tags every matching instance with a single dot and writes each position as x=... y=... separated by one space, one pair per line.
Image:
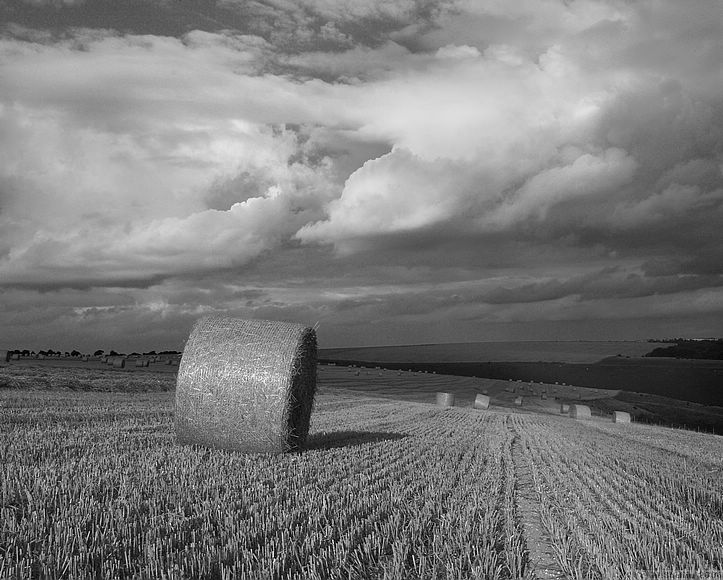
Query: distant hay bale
x=15 y=356
x=518 y=401
x=169 y=362
x=481 y=402
x=142 y=362
x=4 y=356
x=580 y=412
x=445 y=399
x=564 y=408
x=246 y=385
x=544 y=396
x=119 y=363
x=621 y=417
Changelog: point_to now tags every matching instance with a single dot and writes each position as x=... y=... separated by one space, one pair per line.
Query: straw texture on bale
x=445 y=399
x=621 y=417
x=564 y=408
x=481 y=402
x=141 y=362
x=119 y=363
x=580 y=412
x=518 y=401
x=246 y=385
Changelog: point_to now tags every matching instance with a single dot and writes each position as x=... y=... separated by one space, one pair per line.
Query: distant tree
x=153 y=352
x=50 y=352
x=98 y=352
x=114 y=353
x=75 y=353
x=135 y=354
x=25 y=352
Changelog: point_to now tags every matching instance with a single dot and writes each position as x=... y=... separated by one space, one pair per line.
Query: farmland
x=505 y=351
x=93 y=484
x=601 y=365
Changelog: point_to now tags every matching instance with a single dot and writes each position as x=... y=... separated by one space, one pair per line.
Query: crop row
x=617 y=510
x=93 y=486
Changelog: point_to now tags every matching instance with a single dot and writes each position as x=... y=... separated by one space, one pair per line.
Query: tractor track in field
x=542 y=560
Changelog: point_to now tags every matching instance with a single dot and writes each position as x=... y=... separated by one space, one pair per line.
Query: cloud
x=566 y=156
x=135 y=158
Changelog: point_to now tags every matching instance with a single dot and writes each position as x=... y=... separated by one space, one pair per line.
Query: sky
x=394 y=172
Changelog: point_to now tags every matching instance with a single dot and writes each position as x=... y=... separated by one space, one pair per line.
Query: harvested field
x=388 y=488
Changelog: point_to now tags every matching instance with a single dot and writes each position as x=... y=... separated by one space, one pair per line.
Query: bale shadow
x=337 y=439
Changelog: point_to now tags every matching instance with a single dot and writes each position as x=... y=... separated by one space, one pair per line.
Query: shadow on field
x=337 y=439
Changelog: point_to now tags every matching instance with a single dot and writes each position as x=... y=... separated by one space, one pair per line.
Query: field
x=92 y=484
x=510 y=351
x=600 y=365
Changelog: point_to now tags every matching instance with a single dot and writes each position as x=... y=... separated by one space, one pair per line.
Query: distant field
x=518 y=351
x=93 y=485
x=699 y=381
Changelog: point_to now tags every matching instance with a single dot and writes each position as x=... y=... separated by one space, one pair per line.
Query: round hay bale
x=246 y=385
x=119 y=363
x=564 y=408
x=621 y=417
x=445 y=399
x=15 y=356
x=518 y=401
x=169 y=362
x=580 y=412
x=142 y=362
x=4 y=356
x=482 y=402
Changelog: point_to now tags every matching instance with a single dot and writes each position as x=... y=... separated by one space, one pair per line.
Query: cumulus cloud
x=124 y=162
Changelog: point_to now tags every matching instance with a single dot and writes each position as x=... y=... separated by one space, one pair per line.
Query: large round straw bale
x=564 y=408
x=119 y=363
x=445 y=399
x=621 y=417
x=481 y=402
x=580 y=412
x=141 y=362
x=246 y=385
x=518 y=401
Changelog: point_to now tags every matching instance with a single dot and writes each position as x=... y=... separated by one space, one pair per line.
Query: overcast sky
x=399 y=171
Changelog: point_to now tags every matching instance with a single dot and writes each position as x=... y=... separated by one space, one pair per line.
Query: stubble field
x=92 y=484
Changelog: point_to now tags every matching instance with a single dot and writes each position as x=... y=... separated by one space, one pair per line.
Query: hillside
x=577 y=363
x=509 y=351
